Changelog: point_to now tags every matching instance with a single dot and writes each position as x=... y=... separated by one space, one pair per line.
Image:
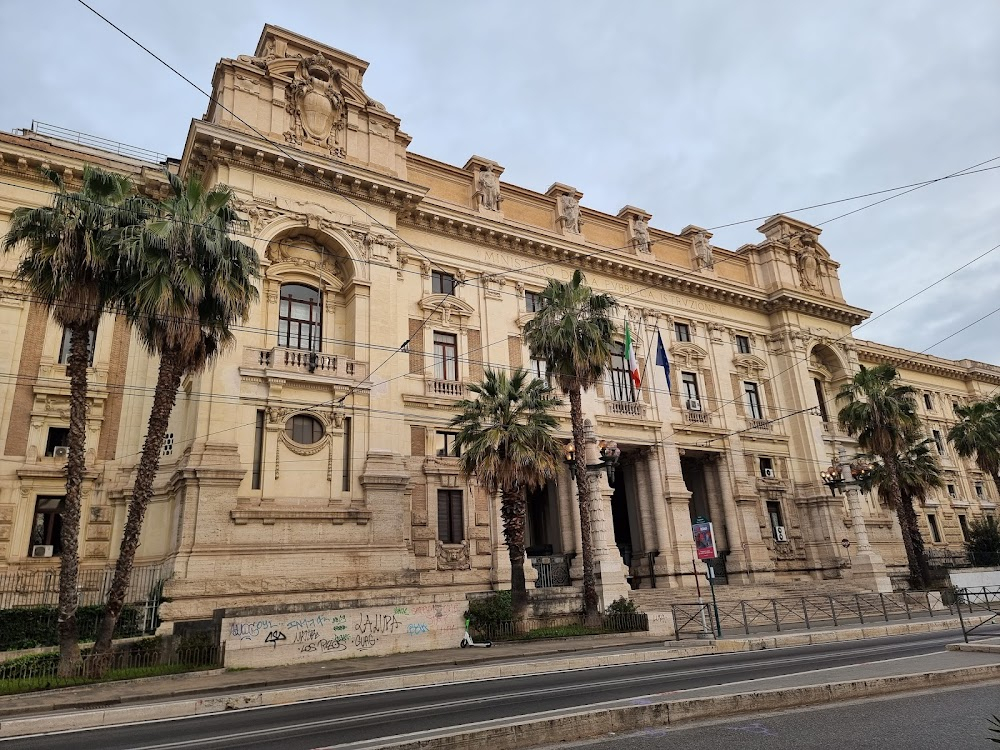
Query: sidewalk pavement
x=426 y=667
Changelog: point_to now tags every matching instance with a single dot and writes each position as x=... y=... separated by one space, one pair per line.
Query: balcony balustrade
x=304 y=362
x=635 y=409
x=447 y=388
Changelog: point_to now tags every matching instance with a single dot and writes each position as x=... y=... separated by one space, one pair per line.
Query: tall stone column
x=609 y=572
x=717 y=482
x=661 y=520
x=678 y=502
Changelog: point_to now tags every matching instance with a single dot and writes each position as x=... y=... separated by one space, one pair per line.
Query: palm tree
x=977 y=435
x=69 y=263
x=190 y=282
x=505 y=439
x=880 y=413
x=574 y=332
x=918 y=473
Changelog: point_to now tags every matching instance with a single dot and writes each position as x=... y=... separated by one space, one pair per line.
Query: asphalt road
x=956 y=719
x=307 y=725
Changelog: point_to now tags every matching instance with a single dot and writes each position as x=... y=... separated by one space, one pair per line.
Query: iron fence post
x=927 y=596
x=805 y=612
x=861 y=615
x=673 y=614
x=833 y=611
x=906 y=604
x=961 y=620
x=774 y=606
x=746 y=625
x=885 y=613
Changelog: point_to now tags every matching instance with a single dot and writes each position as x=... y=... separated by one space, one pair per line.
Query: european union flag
x=661 y=358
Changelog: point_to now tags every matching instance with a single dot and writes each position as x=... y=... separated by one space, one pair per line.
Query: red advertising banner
x=704 y=541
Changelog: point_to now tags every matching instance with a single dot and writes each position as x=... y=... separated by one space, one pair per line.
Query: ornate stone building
x=313 y=462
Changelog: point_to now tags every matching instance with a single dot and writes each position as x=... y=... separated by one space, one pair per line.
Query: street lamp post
x=843 y=476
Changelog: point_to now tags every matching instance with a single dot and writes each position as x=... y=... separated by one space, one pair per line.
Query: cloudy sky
x=699 y=112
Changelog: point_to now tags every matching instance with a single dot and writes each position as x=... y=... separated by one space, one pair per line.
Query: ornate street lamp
x=842 y=474
x=610 y=455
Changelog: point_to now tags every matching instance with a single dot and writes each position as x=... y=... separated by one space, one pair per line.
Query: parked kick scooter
x=467 y=639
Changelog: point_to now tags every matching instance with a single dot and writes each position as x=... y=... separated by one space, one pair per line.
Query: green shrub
x=982 y=544
x=29 y=627
x=490 y=610
x=33 y=664
x=622 y=606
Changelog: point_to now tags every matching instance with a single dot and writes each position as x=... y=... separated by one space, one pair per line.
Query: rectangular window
x=938 y=441
x=774 y=514
x=444 y=444
x=743 y=344
x=682 y=331
x=821 y=400
x=620 y=379
x=532 y=301
x=450 y=524
x=951 y=491
x=538 y=368
x=57 y=437
x=346 y=483
x=445 y=356
x=766 y=466
x=928 y=404
x=258 y=450
x=300 y=318
x=67 y=341
x=963 y=524
x=935 y=532
x=754 y=408
x=47 y=523
x=954 y=406
x=689 y=384
x=442 y=283
x=979 y=490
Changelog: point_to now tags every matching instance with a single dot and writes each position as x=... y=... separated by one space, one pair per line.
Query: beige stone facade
x=309 y=464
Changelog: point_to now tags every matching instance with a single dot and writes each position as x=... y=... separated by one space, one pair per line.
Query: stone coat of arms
x=316 y=104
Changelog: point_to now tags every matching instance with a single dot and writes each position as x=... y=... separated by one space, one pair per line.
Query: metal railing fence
x=985 y=599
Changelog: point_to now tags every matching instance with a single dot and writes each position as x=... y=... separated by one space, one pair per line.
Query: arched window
x=303 y=429
x=300 y=318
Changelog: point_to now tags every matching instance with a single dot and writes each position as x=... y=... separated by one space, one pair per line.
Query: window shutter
x=418 y=441
x=457 y=525
x=739 y=395
x=444 y=517
x=475 y=355
x=416 y=346
x=514 y=351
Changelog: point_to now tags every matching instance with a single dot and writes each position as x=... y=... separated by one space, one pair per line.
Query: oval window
x=303 y=429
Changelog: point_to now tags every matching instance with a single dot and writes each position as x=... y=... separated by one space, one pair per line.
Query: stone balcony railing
x=697 y=417
x=446 y=388
x=304 y=362
x=762 y=425
x=635 y=409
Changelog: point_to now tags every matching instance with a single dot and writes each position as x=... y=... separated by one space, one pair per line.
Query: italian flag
x=633 y=365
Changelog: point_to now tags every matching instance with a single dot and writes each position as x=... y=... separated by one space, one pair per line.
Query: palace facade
x=314 y=462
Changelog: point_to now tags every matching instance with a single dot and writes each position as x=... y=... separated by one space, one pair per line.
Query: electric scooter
x=467 y=640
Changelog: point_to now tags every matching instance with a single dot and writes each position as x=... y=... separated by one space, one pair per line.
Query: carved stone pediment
x=447 y=308
x=687 y=354
x=748 y=365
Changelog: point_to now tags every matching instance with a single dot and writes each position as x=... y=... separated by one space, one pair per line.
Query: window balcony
x=761 y=425
x=446 y=388
x=304 y=362
x=635 y=409
x=697 y=417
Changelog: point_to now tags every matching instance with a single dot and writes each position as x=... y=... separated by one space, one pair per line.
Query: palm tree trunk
x=512 y=510
x=76 y=464
x=167 y=383
x=591 y=611
x=913 y=543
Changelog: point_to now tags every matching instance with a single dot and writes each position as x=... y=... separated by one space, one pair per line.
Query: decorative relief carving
x=316 y=103
x=640 y=234
x=453 y=556
x=569 y=212
x=808 y=261
x=702 y=249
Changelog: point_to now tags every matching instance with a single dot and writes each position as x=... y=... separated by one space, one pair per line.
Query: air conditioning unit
x=693 y=404
x=779 y=534
x=60 y=451
x=769 y=473
x=42 y=550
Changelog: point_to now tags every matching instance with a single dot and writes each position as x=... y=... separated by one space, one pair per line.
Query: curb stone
x=587 y=725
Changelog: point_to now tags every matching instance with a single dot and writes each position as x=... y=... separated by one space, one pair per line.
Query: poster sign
x=704 y=541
